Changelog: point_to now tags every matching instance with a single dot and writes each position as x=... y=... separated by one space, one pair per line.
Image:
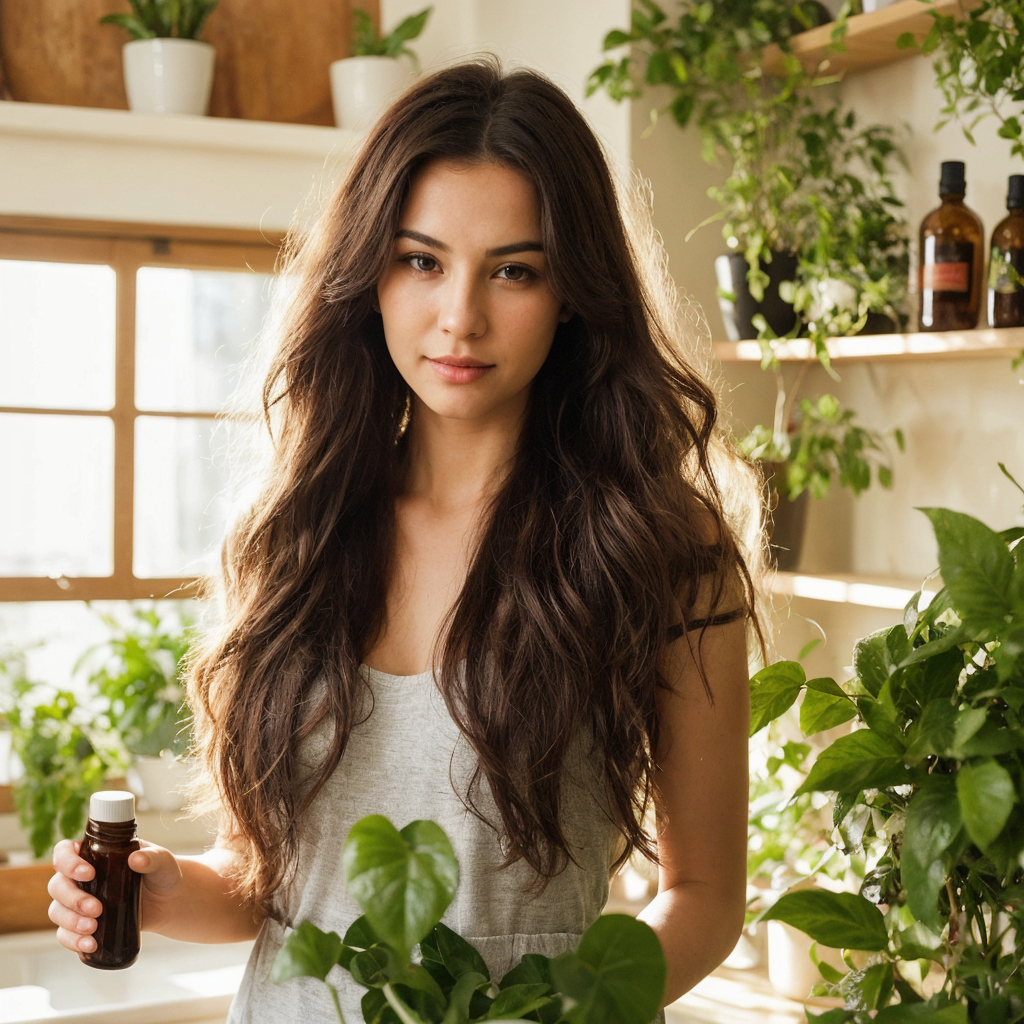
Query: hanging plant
x=979 y=66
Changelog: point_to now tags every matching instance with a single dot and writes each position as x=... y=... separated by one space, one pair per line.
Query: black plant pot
x=787 y=524
x=738 y=313
x=879 y=323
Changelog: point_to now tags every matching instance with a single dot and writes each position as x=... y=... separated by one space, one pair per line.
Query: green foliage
x=403 y=882
x=802 y=177
x=366 y=42
x=979 y=66
x=135 y=676
x=63 y=760
x=779 y=140
x=929 y=790
x=164 y=19
x=823 y=443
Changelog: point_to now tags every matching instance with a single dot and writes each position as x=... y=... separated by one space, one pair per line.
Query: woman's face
x=469 y=313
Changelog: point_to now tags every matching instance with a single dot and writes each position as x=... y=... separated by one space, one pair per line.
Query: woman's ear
x=374 y=301
x=565 y=315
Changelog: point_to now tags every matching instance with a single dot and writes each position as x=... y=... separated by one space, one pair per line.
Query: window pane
x=56 y=516
x=193 y=329
x=181 y=497
x=56 y=335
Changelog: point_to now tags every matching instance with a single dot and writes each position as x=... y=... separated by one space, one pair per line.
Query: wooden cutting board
x=272 y=55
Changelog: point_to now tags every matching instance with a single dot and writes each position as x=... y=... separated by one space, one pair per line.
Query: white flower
x=831 y=294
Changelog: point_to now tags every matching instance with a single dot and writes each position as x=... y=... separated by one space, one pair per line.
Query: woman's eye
x=424 y=264
x=516 y=272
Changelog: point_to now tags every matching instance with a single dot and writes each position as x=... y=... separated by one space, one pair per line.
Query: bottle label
x=946 y=266
x=1006 y=271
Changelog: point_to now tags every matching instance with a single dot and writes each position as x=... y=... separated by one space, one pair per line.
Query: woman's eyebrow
x=501 y=250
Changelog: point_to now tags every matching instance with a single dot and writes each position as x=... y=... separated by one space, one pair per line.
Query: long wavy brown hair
x=605 y=542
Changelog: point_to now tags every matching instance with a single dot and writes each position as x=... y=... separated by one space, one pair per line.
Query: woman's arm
x=701 y=797
x=186 y=898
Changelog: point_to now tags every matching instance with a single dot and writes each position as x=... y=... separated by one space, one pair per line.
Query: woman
x=488 y=578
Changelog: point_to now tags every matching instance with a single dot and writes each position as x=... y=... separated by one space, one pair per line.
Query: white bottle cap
x=112 y=806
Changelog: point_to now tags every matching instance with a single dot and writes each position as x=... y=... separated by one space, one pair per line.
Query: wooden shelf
x=983 y=343
x=892 y=592
x=870 y=38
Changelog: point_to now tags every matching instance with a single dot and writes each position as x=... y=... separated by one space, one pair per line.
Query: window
x=118 y=347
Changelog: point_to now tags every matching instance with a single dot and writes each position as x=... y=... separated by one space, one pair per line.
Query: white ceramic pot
x=158 y=782
x=168 y=76
x=874 y=5
x=361 y=87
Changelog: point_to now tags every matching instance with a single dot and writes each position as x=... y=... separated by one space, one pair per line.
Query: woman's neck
x=455 y=465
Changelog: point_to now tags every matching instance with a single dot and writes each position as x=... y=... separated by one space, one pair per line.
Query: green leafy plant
x=979 y=66
x=135 y=676
x=802 y=177
x=163 y=19
x=63 y=759
x=928 y=789
x=787 y=835
x=367 y=42
x=710 y=59
x=821 y=442
x=403 y=881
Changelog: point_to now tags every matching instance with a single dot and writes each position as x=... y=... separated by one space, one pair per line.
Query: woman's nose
x=462 y=313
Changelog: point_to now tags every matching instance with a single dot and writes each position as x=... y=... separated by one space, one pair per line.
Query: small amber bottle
x=951 y=258
x=1006 y=262
x=109 y=839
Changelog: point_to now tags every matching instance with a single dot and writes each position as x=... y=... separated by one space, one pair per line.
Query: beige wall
x=562 y=38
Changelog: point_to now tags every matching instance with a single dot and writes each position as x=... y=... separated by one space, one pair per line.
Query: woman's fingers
x=67 y=862
x=75 y=942
x=158 y=866
x=73 y=910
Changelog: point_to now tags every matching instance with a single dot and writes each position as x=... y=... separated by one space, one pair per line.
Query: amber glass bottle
x=109 y=839
x=1006 y=262
x=951 y=259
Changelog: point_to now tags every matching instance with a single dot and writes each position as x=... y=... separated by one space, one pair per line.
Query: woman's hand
x=74 y=911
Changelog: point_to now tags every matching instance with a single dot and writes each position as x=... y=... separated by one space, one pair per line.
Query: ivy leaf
x=934 y=732
x=517 y=1001
x=402 y=881
x=842 y=920
x=460 y=997
x=871 y=661
x=932 y=824
x=307 y=952
x=986 y=796
x=875 y=985
x=533 y=969
x=456 y=954
x=976 y=566
x=616 y=976
x=861 y=760
x=881 y=716
x=773 y=691
x=825 y=705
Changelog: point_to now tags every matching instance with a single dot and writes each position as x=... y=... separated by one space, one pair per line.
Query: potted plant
x=64 y=759
x=404 y=881
x=979 y=66
x=378 y=69
x=818 y=242
x=134 y=675
x=167 y=68
x=927 y=795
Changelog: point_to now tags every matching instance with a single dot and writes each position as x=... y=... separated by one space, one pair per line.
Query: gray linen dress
x=408 y=760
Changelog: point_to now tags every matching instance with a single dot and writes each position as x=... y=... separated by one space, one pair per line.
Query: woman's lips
x=459 y=369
